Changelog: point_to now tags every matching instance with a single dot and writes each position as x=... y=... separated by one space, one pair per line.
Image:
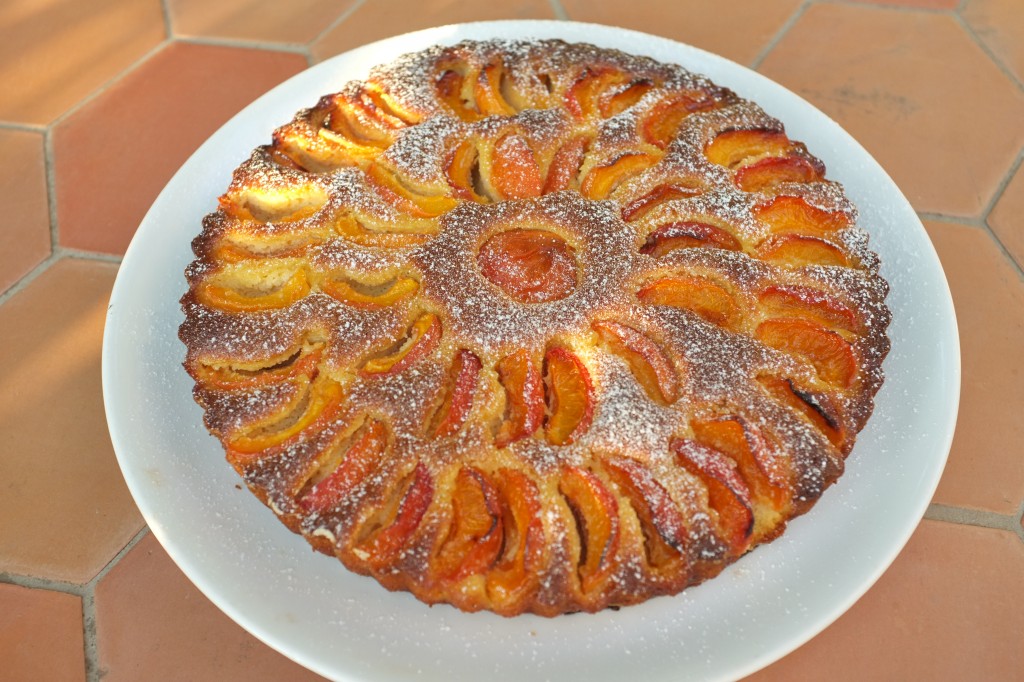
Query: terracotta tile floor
x=102 y=101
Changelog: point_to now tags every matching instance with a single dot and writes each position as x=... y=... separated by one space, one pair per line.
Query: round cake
x=530 y=326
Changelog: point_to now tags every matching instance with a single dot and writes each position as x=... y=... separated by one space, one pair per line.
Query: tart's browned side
x=534 y=327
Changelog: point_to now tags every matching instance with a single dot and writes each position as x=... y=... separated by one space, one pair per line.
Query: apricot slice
x=330 y=486
x=285 y=205
x=796 y=251
x=596 y=513
x=660 y=125
x=487 y=91
x=793 y=215
x=688 y=234
x=370 y=297
x=774 y=171
x=404 y=199
x=524 y=398
x=780 y=300
x=352 y=230
x=569 y=396
x=817 y=407
x=357 y=152
x=734 y=148
x=582 y=97
x=458 y=400
x=728 y=494
x=601 y=181
x=462 y=166
x=564 y=170
x=696 y=294
x=659 y=195
x=316 y=401
x=241 y=299
x=662 y=524
x=514 y=170
x=384 y=534
x=451 y=89
x=420 y=340
x=229 y=377
x=648 y=362
x=625 y=97
x=350 y=119
x=743 y=442
x=828 y=352
x=475 y=534
x=513 y=576
x=531 y=266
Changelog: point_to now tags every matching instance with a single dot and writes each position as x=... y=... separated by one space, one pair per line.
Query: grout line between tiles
x=903 y=9
x=239 y=43
x=1018 y=527
x=50 y=171
x=783 y=30
x=334 y=24
x=560 y=13
x=102 y=88
x=1001 y=188
x=22 y=127
x=93 y=672
x=168 y=21
x=36 y=583
x=57 y=254
x=22 y=283
x=969 y=30
x=969 y=517
x=978 y=224
x=956 y=219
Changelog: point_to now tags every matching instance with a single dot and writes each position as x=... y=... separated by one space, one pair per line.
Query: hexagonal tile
x=64 y=508
x=383 y=18
x=1000 y=25
x=1007 y=217
x=56 y=52
x=153 y=624
x=947 y=609
x=947 y=134
x=737 y=30
x=25 y=239
x=115 y=154
x=41 y=635
x=985 y=468
x=298 y=21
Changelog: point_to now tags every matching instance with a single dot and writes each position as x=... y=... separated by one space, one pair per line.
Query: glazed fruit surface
x=535 y=327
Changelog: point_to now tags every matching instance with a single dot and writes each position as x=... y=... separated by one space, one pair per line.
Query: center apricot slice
x=531 y=266
x=570 y=396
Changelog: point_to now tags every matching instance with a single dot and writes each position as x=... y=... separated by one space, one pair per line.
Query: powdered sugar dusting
x=413 y=297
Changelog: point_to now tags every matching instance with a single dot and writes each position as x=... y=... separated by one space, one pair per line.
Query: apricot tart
x=534 y=327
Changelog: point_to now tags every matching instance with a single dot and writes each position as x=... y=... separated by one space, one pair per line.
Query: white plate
x=347 y=627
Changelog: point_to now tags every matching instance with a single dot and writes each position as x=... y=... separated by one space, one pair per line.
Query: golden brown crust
x=534 y=327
